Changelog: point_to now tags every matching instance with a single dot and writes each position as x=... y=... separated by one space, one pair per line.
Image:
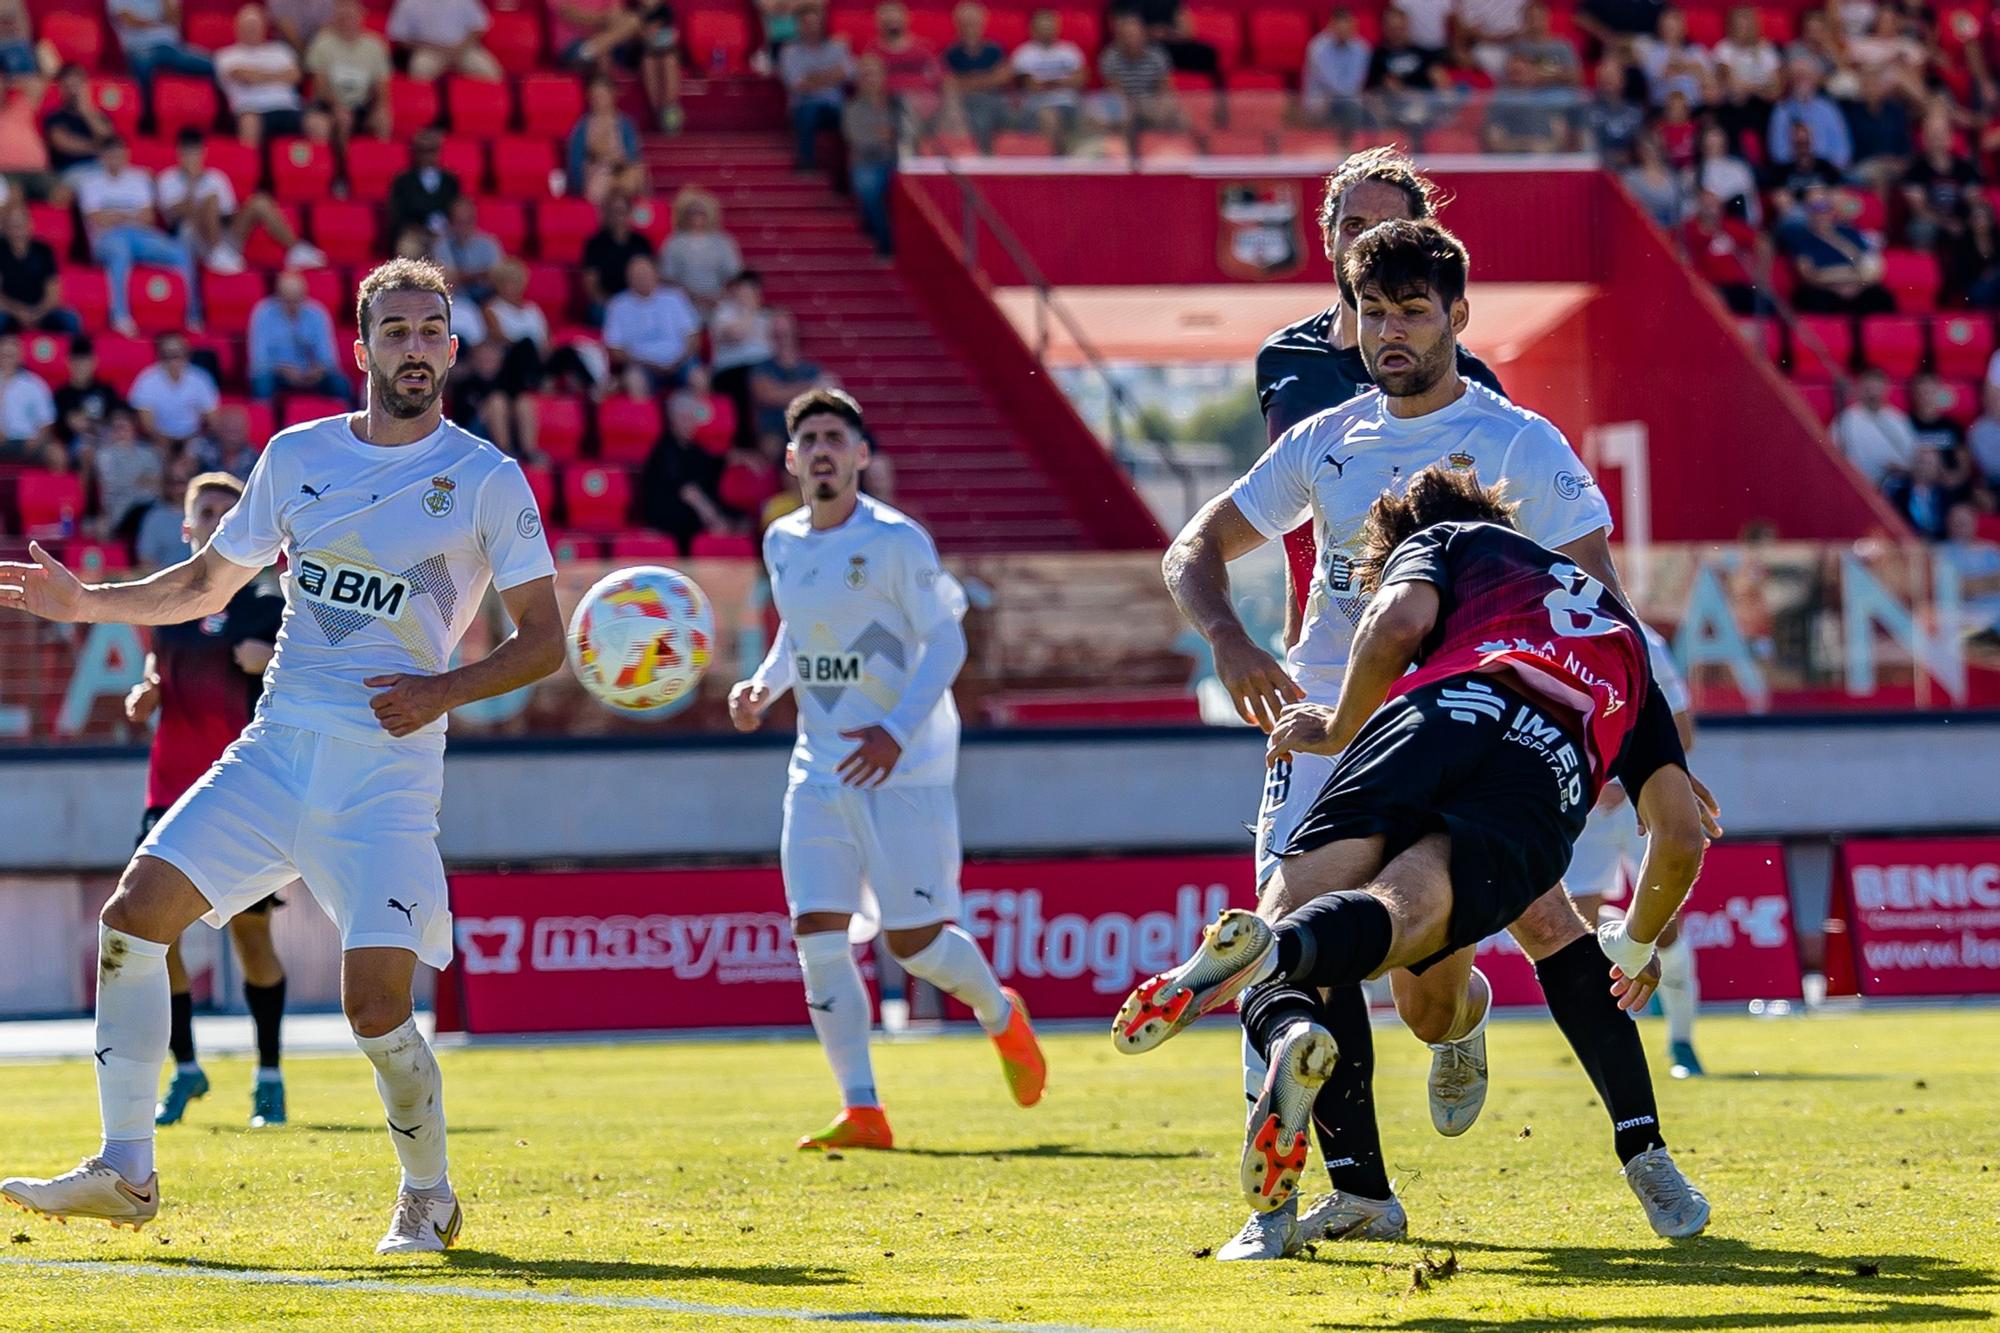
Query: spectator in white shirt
x=350 y=67
x=1875 y=434
x=117 y=203
x=650 y=327
x=260 y=80
x=1430 y=22
x=173 y=397
x=199 y=202
x=1336 y=72
x=1491 y=24
x=442 y=37
x=27 y=409
x=1051 y=72
x=1674 y=64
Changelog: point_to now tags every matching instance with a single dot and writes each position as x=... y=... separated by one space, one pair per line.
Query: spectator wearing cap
x=199 y=203
x=1840 y=270
x=30 y=296
x=651 y=327
x=442 y=37
x=85 y=401
x=77 y=130
x=117 y=201
x=1805 y=104
x=604 y=148
x=149 y=32
x=173 y=396
x=700 y=257
x=27 y=409
x=815 y=69
x=290 y=345
x=1336 y=72
x=976 y=74
x=260 y=80
x=1138 y=78
x=350 y=67
x=420 y=198
x=868 y=124
x=1051 y=73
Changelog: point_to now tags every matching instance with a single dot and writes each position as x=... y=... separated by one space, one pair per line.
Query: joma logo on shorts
x=829 y=668
x=354 y=587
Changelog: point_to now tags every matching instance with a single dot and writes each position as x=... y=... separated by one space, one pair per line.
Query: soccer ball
x=641 y=638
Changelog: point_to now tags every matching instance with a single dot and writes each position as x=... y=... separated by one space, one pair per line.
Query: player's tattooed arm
x=409 y=703
x=198 y=586
x=1386 y=642
x=1196 y=570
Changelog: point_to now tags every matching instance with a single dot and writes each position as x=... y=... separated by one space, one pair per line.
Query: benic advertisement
x=693 y=948
x=1923 y=915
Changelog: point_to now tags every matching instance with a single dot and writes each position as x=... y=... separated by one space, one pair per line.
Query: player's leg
x=375 y=994
x=821 y=863
x=910 y=857
x=1446 y=1008
x=264 y=993
x=1680 y=997
x=189 y=1082
x=1362 y=1205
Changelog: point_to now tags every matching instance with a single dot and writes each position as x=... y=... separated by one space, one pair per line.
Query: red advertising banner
x=637 y=949
x=1924 y=915
x=1739 y=920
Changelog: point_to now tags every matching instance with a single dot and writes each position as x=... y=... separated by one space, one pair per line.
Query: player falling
x=201 y=681
x=869 y=637
x=1331 y=466
x=394 y=522
x=1493 y=688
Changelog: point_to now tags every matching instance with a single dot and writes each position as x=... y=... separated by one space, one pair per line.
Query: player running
x=202 y=679
x=1607 y=858
x=394 y=522
x=1331 y=466
x=1460 y=789
x=869 y=636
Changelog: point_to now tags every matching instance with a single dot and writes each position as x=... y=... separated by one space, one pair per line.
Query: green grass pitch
x=1853 y=1161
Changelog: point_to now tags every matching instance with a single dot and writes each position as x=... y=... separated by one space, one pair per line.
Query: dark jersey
x=205 y=698
x=1301 y=373
x=1508 y=606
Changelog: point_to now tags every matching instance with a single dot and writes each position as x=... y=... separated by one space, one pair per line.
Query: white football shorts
x=1289 y=791
x=358 y=823
x=895 y=845
x=1606 y=859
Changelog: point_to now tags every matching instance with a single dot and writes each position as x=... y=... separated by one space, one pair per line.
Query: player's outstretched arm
x=1386 y=642
x=535 y=648
x=198 y=586
x=1196 y=570
x=750 y=699
x=1676 y=837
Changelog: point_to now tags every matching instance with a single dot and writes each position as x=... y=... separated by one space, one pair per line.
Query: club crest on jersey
x=1460 y=460
x=857 y=572
x=439 y=500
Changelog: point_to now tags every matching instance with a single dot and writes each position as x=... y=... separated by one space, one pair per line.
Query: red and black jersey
x=1508 y=606
x=205 y=698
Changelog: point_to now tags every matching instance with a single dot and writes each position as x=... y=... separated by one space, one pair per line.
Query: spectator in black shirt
x=608 y=254
x=1878 y=124
x=420 y=199
x=1404 y=79
x=84 y=402
x=1788 y=182
x=977 y=74
x=29 y=293
x=1972 y=261
x=1610 y=21
x=1935 y=188
x=1168 y=26
x=76 y=131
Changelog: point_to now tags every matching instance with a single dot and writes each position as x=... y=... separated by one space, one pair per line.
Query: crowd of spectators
x=1928 y=465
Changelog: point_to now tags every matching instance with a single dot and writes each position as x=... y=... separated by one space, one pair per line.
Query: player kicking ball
x=869 y=637
x=394 y=522
x=201 y=683
x=1494 y=688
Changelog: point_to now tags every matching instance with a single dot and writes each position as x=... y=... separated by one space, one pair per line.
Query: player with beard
x=1439 y=416
x=394 y=523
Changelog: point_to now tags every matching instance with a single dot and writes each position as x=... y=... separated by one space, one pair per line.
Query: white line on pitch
x=378 y=1286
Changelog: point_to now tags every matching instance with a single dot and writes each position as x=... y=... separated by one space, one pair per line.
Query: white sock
x=133 y=1017
x=839 y=1005
x=1679 y=992
x=1475 y=986
x=412 y=1088
x=953 y=963
x=1255 y=1070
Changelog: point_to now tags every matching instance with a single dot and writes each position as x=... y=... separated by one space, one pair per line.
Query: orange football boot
x=1020 y=1054
x=854 y=1127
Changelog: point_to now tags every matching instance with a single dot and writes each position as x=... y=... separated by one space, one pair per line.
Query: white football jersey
x=1333 y=465
x=856 y=601
x=389 y=549
x=1666 y=672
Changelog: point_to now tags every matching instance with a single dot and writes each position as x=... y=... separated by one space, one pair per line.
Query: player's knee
x=143 y=907
x=376 y=1013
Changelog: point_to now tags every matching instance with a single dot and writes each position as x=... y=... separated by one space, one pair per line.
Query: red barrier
x=1739 y=920
x=1924 y=915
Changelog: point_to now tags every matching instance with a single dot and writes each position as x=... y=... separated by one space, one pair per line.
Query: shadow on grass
x=300 y=1126
x=1056 y=1150
x=491 y=1264
x=1901 y=1289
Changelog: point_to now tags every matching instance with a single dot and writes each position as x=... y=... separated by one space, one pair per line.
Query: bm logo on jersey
x=354 y=587
x=836 y=669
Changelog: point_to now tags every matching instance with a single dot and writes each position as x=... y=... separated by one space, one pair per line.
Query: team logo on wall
x=1260 y=236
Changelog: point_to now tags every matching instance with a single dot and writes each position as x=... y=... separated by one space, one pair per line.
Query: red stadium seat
x=1893 y=343
x=48 y=502
x=311 y=407
x=562 y=228
x=152 y=155
x=119 y=100
x=570 y=549
x=1278 y=39
x=652 y=220
x=371 y=165
x=228 y=298
x=159 y=299
x=465 y=159
x=1961 y=346
x=1221 y=29
x=1834 y=333
x=85 y=291
x=120 y=359
x=1083 y=27
x=55 y=225
x=596 y=498
x=721 y=546
x=1862 y=210
x=228 y=352
x=346 y=231
x=211 y=30
x=1007 y=27
x=515 y=39
x=1913 y=277
x=744 y=487
x=260 y=422
x=332 y=288
x=559 y=425
x=1704 y=26
x=627 y=428
x=507 y=220
x=1965 y=396
x=550 y=288
x=77 y=38
x=95 y=560
x=235 y=159
x=649 y=547
x=522 y=167
x=47 y=354
x=551 y=104
x=180 y=103
x=1267 y=80
x=1820 y=398
x=479 y=110
x=932 y=27
x=413 y=104
x=857 y=26
x=262 y=250
x=301 y=171
x=542 y=485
